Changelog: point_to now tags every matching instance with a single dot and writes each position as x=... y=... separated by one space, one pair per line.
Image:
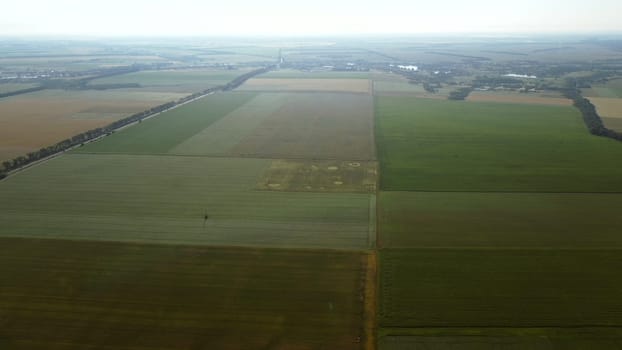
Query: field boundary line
x=362 y=250
x=370 y=301
x=509 y=192
x=226 y=156
x=489 y=327
x=372 y=221
x=305 y=91
x=502 y=248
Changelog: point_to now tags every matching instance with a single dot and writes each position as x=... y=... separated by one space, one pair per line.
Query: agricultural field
x=130 y=296
x=500 y=288
x=430 y=145
x=183 y=81
x=502 y=338
x=264 y=125
x=173 y=233
x=31 y=121
x=508 y=220
x=315 y=126
x=362 y=86
x=160 y=135
x=10 y=87
x=612 y=89
x=317 y=74
x=608 y=107
x=392 y=84
x=498 y=226
x=320 y=176
x=312 y=208
x=522 y=98
x=610 y=111
x=613 y=123
x=163 y=199
x=74 y=63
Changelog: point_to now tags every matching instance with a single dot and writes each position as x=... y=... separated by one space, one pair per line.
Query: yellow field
x=613 y=123
x=323 y=85
x=32 y=121
x=510 y=97
x=610 y=111
x=608 y=107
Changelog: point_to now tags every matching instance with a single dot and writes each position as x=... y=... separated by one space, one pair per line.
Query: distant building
x=409 y=68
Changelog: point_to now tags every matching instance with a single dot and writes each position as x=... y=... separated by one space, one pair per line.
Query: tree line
x=460 y=94
x=22 y=91
x=590 y=117
x=89 y=135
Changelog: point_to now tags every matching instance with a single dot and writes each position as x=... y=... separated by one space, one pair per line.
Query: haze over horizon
x=320 y=17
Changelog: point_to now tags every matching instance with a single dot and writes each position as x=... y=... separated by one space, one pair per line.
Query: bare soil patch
x=319 y=176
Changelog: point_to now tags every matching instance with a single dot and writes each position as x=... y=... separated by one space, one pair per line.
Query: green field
x=438 y=145
x=159 y=135
x=85 y=295
x=227 y=132
x=174 y=80
x=612 y=88
x=500 y=288
x=502 y=339
x=489 y=220
x=260 y=125
x=320 y=74
x=163 y=199
x=158 y=237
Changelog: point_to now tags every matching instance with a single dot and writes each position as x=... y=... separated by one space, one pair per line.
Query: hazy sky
x=269 y=17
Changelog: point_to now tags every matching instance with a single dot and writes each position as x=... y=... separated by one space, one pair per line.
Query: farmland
x=186 y=297
x=523 y=98
x=323 y=126
x=31 y=121
x=159 y=135
x=489 y=220
x=306 y=85
x=609 y=110
x=319 y=74
x=183 y=81
x=337 y=201
x=320 y=176
x=163 y=199
x=10 y=87
x=503 y=338
x=316 y=126
x=497 y=224
x=608 y=107
x=455 y=146
x=612 y=89
x=500 y=288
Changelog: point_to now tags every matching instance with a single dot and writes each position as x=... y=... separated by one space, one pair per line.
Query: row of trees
x=22 y=91
x=591 y=118
x=460 y=94
x=89 y=135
